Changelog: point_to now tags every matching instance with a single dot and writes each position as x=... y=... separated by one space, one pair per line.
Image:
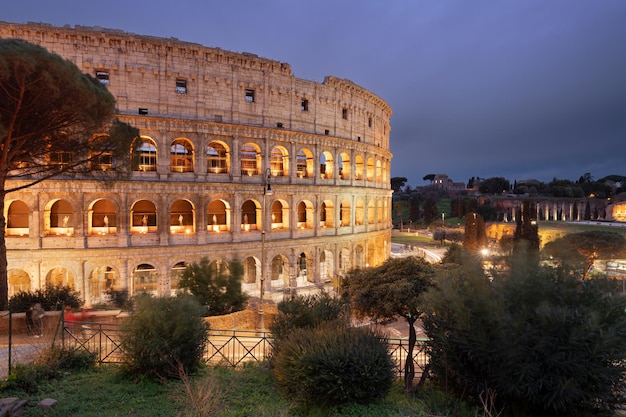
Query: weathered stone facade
x=218 y=129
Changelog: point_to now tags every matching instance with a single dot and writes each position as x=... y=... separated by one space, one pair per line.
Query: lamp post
x=267 y=190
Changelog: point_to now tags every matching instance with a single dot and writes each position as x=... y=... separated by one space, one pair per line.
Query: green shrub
x=333 y=364
x=164 y=334
x=51 y=298
x=67 y=359
x=306 y=312
x=536 y=339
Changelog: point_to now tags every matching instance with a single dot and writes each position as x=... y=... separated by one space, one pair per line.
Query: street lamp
x=267 y=190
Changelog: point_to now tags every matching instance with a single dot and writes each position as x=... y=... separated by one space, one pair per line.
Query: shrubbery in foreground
x=163 y=335
x=536 y=340
x=333 y=364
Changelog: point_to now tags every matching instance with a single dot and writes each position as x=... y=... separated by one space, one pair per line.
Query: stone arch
x=101 y=279
x=279 y=272
x=143 y=217
x=344 y=213
x=327 y=214
x=218 y=158
x=18 y=281
x=250 y=158
x=371 y=212
x=279 y=161
x=326 y=165
x=176 y=272
x=304 y=269
x=304 y=213
x=102 y=217
x=326 y=266
x=17 y=215
x=379 y=212
x=145 y=279
x=61 y=276
x=182 y=217
x=370 y=169
x=251 y=273
x=59 y=218
x=181 y=155
x=359 y=257
x=379 y=171
x=218 y=216
x=343 y=164
x=304 y=163
x=144 y=154
x=280 y=214
x=359 y=213
x=345 y=260
x=249 y=218
x=359 y=168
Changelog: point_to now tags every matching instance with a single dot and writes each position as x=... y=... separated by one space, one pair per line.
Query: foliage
x=51 y=298
x=119 y=299
x=306 y=312
x=389 y=291
x=527 y=229
x=42 y=132
x=397 y=183
x=216 y=286
x=475 y=237
x=583 y=248
x=333 y=364
x=50 y=365
x=534 y=337
x=430 y=210
x=163 y=334
x=494 y=185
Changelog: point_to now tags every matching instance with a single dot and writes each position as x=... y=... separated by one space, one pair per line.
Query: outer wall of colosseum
x=218 y=129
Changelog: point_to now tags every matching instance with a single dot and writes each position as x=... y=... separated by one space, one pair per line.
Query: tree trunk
x=4 y=278
x=409 y=366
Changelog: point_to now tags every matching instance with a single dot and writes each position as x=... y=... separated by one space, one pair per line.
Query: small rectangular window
x=344 y=114
x=279 y=125
x=304 y=105
x=103 y=77
x=218 y=118
x=249 y=96
x=143 y=111
x=369 y=122
x=181 y=86
x=327 y=132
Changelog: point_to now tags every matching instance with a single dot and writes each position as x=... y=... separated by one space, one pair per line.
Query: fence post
x=10 y=340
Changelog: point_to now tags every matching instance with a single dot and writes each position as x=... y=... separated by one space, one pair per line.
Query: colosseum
x=239 y=159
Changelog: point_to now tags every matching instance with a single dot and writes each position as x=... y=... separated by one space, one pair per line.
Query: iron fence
x=229 y=347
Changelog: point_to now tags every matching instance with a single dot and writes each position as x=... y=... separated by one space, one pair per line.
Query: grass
x=220 y=391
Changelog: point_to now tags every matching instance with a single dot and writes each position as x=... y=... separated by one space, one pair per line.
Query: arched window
x=181 y=156
x=370 y=169
x=101 y=158
x=102 y=279
x=60 y=218
x=145 y=156
x=379 y=171
x=217 y=158
x=248 y=216
x=175 y=274
x=19 y=280
x=358 y=168
x=145 y=279
x=280 y=215
x=279 y=162
x=102 y=217
x=182 y=218
x=359 y=213
x=344 y=213
x=250 y=159
x=327 y=214
x=218 y=216
x=344 y=166
x=304 y=163
x=143 y=217
x=60 y=277
x=326 y=165
x=17 y=216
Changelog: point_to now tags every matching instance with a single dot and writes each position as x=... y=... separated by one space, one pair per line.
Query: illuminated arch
x=145 y=155
x=17 y=214
x=326 y=165
x=304 y=163
x=143 y=217
x=59 y=218
x=182 y=217
x=102 y=217
x=217 y=158
x=181 y=156
x=250 y=159
x=344 y=166
x=279 y=161
x=218 y=215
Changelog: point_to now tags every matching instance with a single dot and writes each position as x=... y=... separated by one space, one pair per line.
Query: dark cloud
x=519 y=89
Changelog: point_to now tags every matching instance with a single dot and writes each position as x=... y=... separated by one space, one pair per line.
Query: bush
x=306 y=312
x=51 y=298
x=536 y=339
x=164 y=334
x=333 y=364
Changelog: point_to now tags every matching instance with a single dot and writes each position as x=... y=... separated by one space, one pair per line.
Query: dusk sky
x=516 y=89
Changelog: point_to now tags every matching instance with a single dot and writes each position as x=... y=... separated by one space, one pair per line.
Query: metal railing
x=229 y=347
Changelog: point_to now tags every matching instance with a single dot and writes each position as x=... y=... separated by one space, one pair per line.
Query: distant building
x=442 y=181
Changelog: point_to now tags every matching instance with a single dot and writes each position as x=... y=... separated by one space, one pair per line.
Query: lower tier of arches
x=277 y=264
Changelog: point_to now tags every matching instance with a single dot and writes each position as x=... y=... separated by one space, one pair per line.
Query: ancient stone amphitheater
x=239 y=159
